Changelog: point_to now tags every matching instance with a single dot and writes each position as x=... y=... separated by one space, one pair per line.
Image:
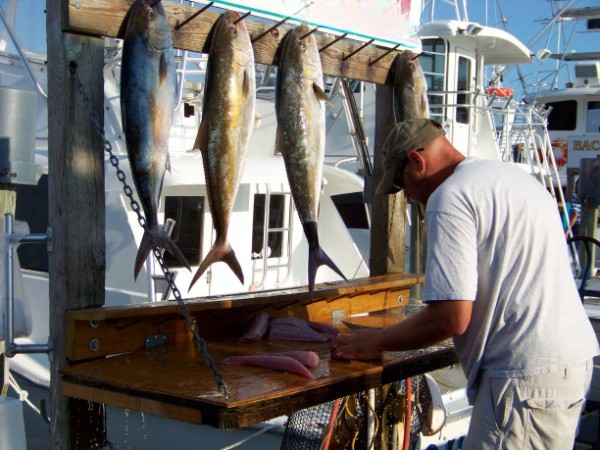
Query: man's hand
x=435 y=323
x=361 y=344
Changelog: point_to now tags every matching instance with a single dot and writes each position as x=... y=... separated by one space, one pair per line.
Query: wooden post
x=76 y=213
x=387 y=231
x=388 y=212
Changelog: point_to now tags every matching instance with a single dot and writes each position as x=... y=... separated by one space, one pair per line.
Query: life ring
x=500 y=91
x=560 y=149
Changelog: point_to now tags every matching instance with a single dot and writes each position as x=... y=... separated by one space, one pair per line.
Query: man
x=498 y=282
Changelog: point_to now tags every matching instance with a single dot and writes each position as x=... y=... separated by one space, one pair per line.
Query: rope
x=23 y=394
x=258 y=433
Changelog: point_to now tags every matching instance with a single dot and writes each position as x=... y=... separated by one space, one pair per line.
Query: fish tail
x=316 y=256
x=142 y=254
x=162 y=240
x=220 y=252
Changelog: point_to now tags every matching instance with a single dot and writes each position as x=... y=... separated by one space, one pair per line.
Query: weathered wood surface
x=125 y=328
x=105 y=18
x=388 y=229
x=175 y=382
x=76 y=212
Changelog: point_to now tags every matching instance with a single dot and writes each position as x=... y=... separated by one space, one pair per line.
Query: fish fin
x=142 y=254
x=316 y=259
x=224 y=253
x=200 y=142
x=257 y=120
x=246 y=89
x=321 y=95
x=316 y=256
x=278 y=142
x=163 y=69
x=162 y=241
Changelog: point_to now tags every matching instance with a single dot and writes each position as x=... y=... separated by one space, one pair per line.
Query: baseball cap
x=405 y=136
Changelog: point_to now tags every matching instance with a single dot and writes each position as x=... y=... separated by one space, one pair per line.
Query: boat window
x=351 y=208
x=275 y=227
x=463 y=86
x=563 y=116
x=593 y=117
x=187 y=212
x=33 y=257
x=433 y=64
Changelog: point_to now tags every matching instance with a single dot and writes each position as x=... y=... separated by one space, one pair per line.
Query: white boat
x=482 y=120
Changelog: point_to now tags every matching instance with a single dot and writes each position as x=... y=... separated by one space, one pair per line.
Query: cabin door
x=461 y=84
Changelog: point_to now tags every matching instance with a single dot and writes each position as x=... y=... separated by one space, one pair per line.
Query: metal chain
x=199 y=341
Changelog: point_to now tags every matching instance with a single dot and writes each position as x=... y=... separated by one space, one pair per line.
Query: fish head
x=148 y=19
x=408 y=71
x=231 y=31
x=300 y=46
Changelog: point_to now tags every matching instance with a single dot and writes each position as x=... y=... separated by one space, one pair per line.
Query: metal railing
x=10 y=240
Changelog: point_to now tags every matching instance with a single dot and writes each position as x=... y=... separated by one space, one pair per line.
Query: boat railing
x=9 y=241
x=261 y=265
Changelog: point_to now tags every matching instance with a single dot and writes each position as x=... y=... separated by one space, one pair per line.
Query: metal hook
x=243 y=17
x=339 y=38
x=193 y=16
x=309 y=33
x=262 y=35
x=385 y=54
x=357 y=50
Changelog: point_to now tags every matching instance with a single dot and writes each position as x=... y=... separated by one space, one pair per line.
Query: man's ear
x=415 y=157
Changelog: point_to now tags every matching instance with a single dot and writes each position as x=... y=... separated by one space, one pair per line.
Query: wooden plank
x=76 y=210
x=96 y=339
x=180 y=380
x=105 y=18
x=258 y=299
x=94 y=333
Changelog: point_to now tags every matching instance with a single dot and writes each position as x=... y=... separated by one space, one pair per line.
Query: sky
x=524 y=20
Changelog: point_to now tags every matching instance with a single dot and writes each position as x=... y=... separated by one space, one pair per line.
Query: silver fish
x=410 y=88
x=224 y=134
x=301 y=134
x=148 y=89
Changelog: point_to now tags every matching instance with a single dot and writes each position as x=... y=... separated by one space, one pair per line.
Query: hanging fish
x=410 y=88
x=224 y=134
x=148 y=94
x=300 y=110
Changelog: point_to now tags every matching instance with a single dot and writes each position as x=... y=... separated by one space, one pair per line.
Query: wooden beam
x=105 y=18
x=76 y=211
x=388 y=227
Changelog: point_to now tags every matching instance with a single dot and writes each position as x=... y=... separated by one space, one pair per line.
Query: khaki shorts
x=534 y=412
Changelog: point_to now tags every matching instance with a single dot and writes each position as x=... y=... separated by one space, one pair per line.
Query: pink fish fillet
x=286 y=332
x=257 y=329
x=306 y=358
x=283 y=363
x=296 y=329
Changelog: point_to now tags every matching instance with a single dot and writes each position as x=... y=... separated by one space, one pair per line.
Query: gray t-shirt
x=495 y=237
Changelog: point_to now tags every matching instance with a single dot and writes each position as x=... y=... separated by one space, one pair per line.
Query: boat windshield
x=27 y=20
